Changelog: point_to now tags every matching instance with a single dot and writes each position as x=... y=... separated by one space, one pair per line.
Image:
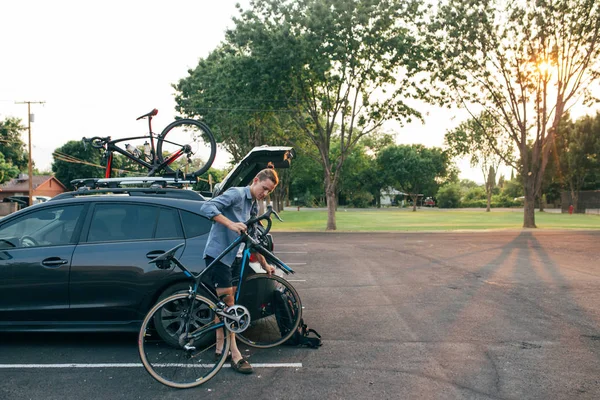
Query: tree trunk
x=574 y=198
x=415 y=198
x=541 y=200
x=489 y=199
x=529 y=210
x=331 y=202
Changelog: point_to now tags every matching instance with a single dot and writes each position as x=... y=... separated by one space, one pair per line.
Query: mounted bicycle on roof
x=187 y=138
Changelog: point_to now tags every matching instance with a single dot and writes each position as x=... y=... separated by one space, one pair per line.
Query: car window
x=47 y=227
x=122 y=222
x=194 y=224
x=169 y=225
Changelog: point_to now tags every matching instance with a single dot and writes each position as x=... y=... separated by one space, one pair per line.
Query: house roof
x=22 y=183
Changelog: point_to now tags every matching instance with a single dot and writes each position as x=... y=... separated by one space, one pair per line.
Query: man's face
x=260 y=189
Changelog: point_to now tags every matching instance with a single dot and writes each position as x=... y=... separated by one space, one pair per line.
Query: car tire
x=166 y=328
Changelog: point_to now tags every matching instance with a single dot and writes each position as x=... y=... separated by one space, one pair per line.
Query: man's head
x=264 y=182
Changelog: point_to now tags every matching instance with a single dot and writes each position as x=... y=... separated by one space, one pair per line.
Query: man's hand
x=238 y=227
x=269 y=268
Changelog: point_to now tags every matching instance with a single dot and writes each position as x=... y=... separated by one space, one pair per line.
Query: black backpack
x=285 y=311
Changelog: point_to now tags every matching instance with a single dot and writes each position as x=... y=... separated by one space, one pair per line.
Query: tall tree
x=415 y=169
x=480 y=139
x=233 y=94
x=12 y=147
x=343 y=67
x=524 y=62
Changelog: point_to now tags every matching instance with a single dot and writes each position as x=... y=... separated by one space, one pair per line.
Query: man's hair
x=268 y=173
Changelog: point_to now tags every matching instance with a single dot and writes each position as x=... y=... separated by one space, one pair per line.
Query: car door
x=110 y=274
x=36 y=249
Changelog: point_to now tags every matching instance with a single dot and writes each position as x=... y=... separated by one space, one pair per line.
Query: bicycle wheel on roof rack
x=192 y=137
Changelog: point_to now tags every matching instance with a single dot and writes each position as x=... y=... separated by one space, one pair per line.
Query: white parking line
x=133 y=365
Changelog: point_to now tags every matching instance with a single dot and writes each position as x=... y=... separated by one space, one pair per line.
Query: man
x=230 y=210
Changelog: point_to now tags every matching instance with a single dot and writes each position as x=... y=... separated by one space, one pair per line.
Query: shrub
x=448 y=196
x=361 y=200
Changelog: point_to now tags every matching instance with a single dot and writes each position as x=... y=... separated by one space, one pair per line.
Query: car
x=429 y=202
x=80 y=261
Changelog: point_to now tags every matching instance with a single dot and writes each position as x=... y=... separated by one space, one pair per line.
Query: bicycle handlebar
x=267 y=216
x=97 y=142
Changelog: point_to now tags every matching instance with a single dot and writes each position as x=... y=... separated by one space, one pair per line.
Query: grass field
x=428 y=220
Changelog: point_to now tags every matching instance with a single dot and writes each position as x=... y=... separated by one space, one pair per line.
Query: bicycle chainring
x=243 y=319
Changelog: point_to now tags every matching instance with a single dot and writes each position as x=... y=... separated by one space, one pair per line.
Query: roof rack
x=142 y=192
x=144 y=181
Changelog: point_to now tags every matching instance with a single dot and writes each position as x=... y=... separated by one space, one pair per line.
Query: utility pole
x=30 y=165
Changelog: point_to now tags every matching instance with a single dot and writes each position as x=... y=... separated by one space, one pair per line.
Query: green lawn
x=428 y=220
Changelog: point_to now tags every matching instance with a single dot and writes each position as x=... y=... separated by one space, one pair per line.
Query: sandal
x=218 y=356
x=242 y=366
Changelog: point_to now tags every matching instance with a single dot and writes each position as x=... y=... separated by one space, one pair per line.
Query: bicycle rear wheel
x=272 y=322
x=187 y=132
x=175 y=365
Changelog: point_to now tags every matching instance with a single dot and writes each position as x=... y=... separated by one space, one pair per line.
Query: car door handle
x=54 y=262
x=155 y=253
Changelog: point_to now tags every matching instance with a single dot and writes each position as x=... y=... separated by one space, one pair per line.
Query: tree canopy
x=525 y=63
x=413 y=168
x=15 y=157
x=337 y=69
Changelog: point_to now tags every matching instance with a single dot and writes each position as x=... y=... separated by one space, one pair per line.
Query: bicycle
x=177 y=337
x=187 y=137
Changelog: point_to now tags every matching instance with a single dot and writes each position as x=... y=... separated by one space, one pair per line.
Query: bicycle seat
x=150 y=114
x=166 y=256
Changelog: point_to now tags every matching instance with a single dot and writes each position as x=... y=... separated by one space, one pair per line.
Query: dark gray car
x=80 y=261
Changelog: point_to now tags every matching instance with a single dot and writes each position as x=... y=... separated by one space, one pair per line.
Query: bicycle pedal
x=189 y=347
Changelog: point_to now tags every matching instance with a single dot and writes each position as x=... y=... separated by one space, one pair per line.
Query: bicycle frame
x=250 y=244
x=152 y=168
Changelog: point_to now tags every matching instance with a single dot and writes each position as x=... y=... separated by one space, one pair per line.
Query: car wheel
x=168 y=323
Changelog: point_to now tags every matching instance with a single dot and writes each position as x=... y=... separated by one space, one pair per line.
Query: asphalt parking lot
x=486 y=315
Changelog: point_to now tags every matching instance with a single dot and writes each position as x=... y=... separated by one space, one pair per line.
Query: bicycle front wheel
x=189 y=362
x=275 y=310
x=196 y=141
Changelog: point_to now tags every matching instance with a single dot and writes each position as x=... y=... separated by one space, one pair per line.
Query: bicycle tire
x=188 y=132
x=175 y=366
x=257 y=295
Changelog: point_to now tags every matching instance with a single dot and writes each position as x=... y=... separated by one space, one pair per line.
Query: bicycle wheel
x=190 y=362
x=187 y=132
x=262 y=295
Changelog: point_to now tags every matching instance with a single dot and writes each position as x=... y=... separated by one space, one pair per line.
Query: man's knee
x=226 y=295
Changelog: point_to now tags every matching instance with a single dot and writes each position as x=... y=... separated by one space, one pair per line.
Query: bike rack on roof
x=133 y=186
x=144 y=181
x=142 y=192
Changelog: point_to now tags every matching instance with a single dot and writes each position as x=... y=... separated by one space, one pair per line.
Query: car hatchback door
x=35 y=259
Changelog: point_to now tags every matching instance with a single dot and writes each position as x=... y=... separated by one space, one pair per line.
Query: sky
x=100 y=65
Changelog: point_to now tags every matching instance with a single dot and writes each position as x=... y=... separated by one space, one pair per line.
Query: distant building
x=43 y=185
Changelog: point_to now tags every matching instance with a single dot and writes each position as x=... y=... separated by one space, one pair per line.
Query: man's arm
x=237 y=227
x=213 y=210
x=264 y=264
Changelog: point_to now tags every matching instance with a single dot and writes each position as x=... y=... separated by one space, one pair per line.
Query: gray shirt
x=237 y=205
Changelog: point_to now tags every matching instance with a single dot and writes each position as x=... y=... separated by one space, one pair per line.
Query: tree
x=232 y=93
x=479 y=138
x=525 y=63
x=12 y=148
x=342 y=67
x=65 y=170
x=577 y=146
x=413 y=168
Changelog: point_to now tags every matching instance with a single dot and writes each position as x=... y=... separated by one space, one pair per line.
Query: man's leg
x=227 y=295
